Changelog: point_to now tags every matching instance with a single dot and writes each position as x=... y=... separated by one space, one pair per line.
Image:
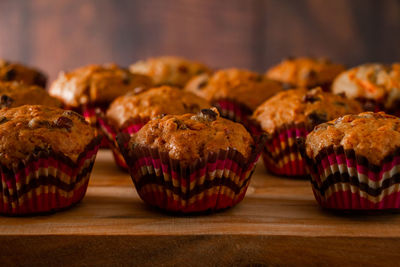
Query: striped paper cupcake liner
x=282 y=155
x=46 y=181
x=343 y=180
x=374 y=106
x=234 y=111
x=215 y=182
x=110 y=133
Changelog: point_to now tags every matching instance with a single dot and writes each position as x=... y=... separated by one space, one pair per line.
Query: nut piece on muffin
x=376 y=86
x=354 y=162
x=236 y=93
x=96 y=85
x=191 y=162
x=10 y=71
x=47 y=154
x=152 y=103
x=14 y=94
x=292 y=114
x=167 y=70
x=305 y=72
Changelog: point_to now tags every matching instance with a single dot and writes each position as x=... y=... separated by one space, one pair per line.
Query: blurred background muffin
x=168 y=70
x=11 y=71
x=375 y=85
x=130 y=112
x=14 y=94
x=235 y=92
x=305 y=72
x=292 y=114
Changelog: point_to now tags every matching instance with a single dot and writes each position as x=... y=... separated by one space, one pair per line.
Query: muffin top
x=16 y=72
x=305 y=72
x=152 y=103
x=174 y=71
x=192 y=136
x=14 y=94
x=246 y=87
x=377 y=82
x=27 y=129
x=372 y=135
x=96 y=84
x=310 y=107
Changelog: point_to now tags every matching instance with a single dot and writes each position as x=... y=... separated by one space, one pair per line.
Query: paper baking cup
x=46 y=181
x=233 y=110
x=110 y=133
x=214 y=182
x=345 y=181
x=282 y=155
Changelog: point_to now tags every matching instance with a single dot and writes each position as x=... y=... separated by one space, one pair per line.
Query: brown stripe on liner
x=151 y=179
x=44 y=180
x=337 y=178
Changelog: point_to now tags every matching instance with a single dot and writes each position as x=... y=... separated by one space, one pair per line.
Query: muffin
x=305 y=72
x=236 y=93
x=376 y=86
x=16 y=72
x=130 y=112
x=174 y=71
x=293 y=114
x=47 y=154
x=94 y=86
x=14 y=94
x=192 y=162
x=354 y=162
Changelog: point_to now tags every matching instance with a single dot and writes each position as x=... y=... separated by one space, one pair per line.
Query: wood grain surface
x=278 y=222
x=60 y=35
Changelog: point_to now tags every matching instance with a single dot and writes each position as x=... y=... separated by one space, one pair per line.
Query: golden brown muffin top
x=310 y=107
x=243 y=86
x=305 y=72
x=372 y=135
x=14 y=94
x=152 y=103
x=167 y=70
x=96 y=84
x=25 y=129
x=192 y=136
x=371 y=81
x=10 y=71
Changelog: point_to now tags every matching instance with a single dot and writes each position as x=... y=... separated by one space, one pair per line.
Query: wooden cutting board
x=278 y=222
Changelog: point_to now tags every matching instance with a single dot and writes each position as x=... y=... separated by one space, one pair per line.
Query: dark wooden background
x=63 y=34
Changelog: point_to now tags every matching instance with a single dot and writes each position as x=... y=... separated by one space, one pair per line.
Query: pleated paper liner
x=110 y=133
x=234 y=111
x=46 y=181
x=214 y=182
x=282 y=154
x=374 y=106
x=343 y=180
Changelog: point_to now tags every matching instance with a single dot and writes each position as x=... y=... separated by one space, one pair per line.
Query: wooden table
x=278 y=222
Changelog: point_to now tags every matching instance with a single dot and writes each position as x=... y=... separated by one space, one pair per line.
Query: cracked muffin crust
x=96 y=84
x=25 y=129
x=305 y=72
x=191 y=136
x=310 y=107
x=372 y=135
x=167 y=70
x=371 y=84
x=14 y=94
x=242 y=86
x=152 y=103
x=11 y=71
